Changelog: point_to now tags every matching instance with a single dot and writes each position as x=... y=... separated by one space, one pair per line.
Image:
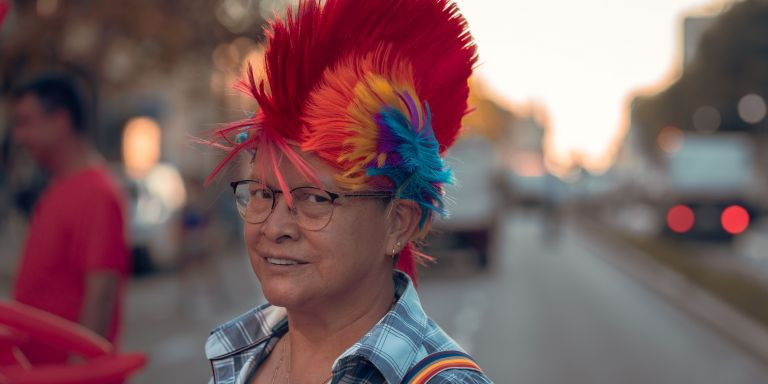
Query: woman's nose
x=281 y=223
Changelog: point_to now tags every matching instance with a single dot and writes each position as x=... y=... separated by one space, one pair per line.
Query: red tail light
x=735 y=219
x=680 y=218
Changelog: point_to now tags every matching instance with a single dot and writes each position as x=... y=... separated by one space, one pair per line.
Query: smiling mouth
x=276 y=261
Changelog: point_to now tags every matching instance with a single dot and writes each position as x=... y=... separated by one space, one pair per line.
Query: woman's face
x=346 y=256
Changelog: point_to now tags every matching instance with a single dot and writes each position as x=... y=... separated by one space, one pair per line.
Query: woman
x=357 y=101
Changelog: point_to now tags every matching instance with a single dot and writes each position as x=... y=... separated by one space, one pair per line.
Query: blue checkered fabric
x=402 y=338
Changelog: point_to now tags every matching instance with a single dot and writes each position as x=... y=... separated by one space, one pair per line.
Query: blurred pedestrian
x=551 y=215
x=75 y=258
x=357 y=101
x=198 y=240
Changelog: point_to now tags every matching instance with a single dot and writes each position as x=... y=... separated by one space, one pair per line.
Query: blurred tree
x=731 y=62
x=118 y=43
x=488 y=118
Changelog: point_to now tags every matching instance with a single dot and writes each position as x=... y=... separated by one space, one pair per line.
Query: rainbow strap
x=438 y=362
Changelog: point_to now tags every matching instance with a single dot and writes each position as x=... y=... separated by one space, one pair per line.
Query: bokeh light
x=141 y=146
x=236 y=15
x=735 y=219
x=670 y=139
x=680 y=218
x=752 y=108
x=706 y=119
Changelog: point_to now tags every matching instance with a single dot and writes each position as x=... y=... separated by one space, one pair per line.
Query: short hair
x=58 y=91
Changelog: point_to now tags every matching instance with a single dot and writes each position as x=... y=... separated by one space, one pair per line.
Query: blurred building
x=694 y=28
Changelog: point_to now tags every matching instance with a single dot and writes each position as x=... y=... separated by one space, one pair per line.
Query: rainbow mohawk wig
x=377 y=88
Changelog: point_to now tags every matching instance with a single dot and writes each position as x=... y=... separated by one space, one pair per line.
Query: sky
x=582 y=61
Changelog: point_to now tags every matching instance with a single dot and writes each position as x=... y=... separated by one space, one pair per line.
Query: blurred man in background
x=75 y=258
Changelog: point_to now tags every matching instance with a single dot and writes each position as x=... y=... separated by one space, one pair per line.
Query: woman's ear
x=404 y=220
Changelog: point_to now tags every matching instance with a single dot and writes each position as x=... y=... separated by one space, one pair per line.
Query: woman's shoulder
x=446 y=366
x=451 y=376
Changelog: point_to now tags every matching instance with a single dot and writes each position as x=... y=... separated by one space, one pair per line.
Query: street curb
x=721 y=316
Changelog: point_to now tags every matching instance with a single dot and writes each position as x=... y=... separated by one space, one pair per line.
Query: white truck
x=472 y=202
x=712 y=189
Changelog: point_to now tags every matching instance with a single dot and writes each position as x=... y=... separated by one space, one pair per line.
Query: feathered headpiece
x=377 y=88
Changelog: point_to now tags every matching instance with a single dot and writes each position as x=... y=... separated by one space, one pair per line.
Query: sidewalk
x=171 y=322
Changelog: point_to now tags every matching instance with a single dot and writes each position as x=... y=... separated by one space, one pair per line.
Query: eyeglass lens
x=312 y=207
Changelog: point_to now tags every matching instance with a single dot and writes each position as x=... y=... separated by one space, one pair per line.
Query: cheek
x=251 y=235
x=358 y=241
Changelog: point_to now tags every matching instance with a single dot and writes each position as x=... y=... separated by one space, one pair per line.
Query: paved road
x=550 y=312
x=558 y=313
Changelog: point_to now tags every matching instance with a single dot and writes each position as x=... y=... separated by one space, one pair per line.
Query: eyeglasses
x=312 y=207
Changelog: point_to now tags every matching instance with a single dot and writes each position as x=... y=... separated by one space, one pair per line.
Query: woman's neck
x=318 y=337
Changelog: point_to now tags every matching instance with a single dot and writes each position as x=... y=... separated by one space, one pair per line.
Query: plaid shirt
x=403 y=337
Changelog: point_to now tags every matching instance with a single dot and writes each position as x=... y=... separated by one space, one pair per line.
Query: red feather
x=430 y=34
x=407 y=264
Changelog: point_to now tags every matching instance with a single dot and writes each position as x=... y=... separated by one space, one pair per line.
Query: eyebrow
x=276 y=189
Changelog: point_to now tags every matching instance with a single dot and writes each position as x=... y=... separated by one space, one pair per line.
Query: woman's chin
x=282 y=295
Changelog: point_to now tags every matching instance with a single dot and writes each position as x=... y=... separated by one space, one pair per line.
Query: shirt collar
x=245 y=331
x=391 y=345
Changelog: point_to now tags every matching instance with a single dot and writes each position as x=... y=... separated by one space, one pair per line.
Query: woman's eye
x=314 y=198
x=262 y=194
x=318 y=198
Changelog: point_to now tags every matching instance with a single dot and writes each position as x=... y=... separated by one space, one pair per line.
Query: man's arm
x=99 y=300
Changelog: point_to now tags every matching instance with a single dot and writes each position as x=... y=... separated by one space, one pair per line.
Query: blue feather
x=416 y=168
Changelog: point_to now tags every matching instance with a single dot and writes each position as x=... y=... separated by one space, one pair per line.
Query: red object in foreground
x=20 y=323
x=5 y=7
x=735 y=219
x=680 y=218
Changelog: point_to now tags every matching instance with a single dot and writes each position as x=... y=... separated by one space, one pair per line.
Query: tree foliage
x=731 y=62
x=114 y=43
